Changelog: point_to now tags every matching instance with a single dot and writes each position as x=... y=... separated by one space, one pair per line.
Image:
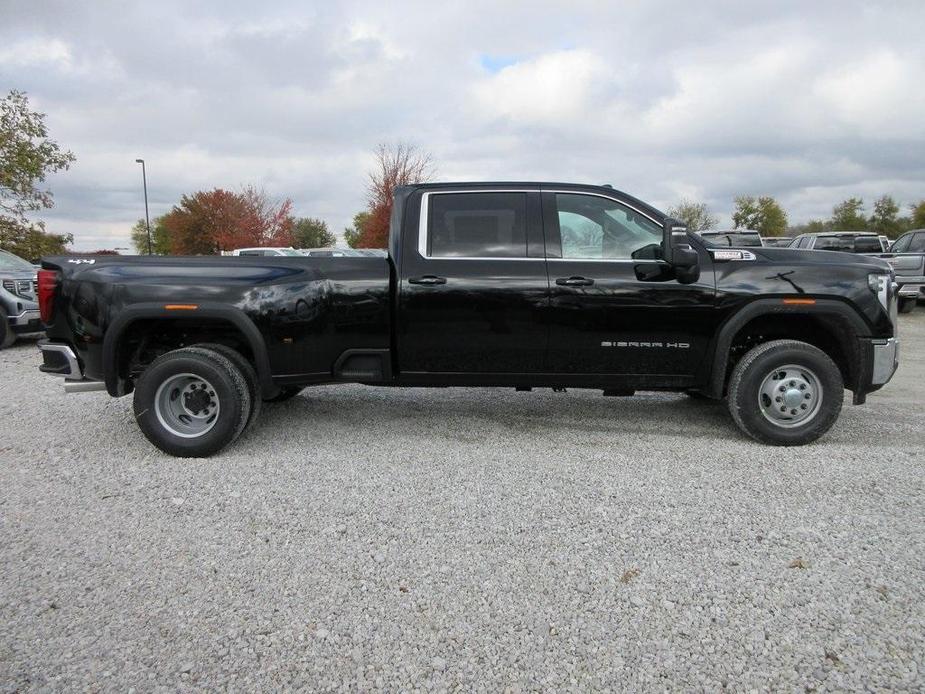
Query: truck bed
x=305 y=308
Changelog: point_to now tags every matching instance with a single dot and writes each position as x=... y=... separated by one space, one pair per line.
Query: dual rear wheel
x=194 y=401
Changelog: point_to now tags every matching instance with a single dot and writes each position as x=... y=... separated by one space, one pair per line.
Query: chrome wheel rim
x=187 y=405
x=790 y=396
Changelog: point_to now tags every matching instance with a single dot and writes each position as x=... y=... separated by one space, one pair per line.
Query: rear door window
x=917 y=245
x=477 y=225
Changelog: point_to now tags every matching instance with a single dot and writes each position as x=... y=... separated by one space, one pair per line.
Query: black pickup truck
x=522 y=285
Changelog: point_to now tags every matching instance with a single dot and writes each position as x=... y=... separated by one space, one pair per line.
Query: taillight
x=48 y=282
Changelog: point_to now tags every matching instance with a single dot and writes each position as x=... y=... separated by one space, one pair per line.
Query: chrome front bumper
x=886 y=359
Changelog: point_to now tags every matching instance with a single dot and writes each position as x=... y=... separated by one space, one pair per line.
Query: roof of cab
x=603 y=189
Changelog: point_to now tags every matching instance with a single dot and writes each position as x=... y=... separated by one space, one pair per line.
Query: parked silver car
x=19 y=309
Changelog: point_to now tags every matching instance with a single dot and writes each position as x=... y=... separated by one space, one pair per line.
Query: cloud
x=808 y=102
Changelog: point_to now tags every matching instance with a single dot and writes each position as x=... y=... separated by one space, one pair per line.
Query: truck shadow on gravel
x=474 y=415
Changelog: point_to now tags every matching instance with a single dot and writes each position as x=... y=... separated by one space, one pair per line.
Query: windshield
x=732 y=239
x=8 y=261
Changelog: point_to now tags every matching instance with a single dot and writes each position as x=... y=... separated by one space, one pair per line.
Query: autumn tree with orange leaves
x=396 y=165
x=208 y=222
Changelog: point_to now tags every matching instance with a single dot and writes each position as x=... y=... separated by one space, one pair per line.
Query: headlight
x=10 y=286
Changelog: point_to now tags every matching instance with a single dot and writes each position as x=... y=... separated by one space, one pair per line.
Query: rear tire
x=907 y=305
x=192 y=402
x=246 y=368
x=7 y=336
x=785 y=393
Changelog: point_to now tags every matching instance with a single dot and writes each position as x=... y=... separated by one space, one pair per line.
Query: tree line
x=766 y=216
x=209 y=222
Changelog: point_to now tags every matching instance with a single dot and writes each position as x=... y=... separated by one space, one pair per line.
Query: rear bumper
x=59 y=360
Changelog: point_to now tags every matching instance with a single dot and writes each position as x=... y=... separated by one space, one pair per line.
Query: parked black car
x=19 y=310
x=521 y=285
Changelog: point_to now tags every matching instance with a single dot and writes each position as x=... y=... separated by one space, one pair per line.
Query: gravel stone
x=462 y=540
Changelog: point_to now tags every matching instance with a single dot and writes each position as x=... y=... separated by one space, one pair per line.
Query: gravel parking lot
x=455 y=539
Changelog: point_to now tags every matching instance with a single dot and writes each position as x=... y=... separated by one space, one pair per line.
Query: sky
x=811 y=102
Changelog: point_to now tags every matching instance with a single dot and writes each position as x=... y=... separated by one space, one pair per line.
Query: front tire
x=785 y=393
x=192 y=402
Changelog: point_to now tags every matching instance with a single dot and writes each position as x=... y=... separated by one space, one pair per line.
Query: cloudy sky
x=811 y=102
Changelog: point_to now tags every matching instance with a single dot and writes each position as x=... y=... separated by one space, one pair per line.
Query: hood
x=794 y=255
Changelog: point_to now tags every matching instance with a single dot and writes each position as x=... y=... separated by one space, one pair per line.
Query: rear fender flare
x=146 y=311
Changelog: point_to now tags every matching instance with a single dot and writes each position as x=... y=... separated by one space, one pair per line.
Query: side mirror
x=680 y=255
x=686 y=264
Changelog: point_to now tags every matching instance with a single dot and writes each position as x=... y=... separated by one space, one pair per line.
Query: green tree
x=160 y=238
x=27 y=157
x=917 y=218
x=885 y=218
x=763 y=214
x=695 y=215
x=31 y=241
x=309 y=232
x=352 y=235
x=848 y=215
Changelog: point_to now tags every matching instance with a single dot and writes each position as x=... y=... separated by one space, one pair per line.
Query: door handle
x=574 y=282
x=427 y=279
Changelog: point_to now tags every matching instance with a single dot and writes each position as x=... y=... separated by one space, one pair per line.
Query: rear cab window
x=867 y=244
x=477 y=225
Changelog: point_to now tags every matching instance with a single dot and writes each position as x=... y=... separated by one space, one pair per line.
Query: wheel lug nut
x=777 y=399
x=783 y=409
x=808 y=396
x=782 y=389
x=793 y=411
x=802 y=386
x=803 y=406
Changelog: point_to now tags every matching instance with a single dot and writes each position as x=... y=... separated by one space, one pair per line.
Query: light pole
x=144 y=181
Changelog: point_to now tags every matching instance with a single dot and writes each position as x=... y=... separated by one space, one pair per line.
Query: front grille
x=27 y=289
